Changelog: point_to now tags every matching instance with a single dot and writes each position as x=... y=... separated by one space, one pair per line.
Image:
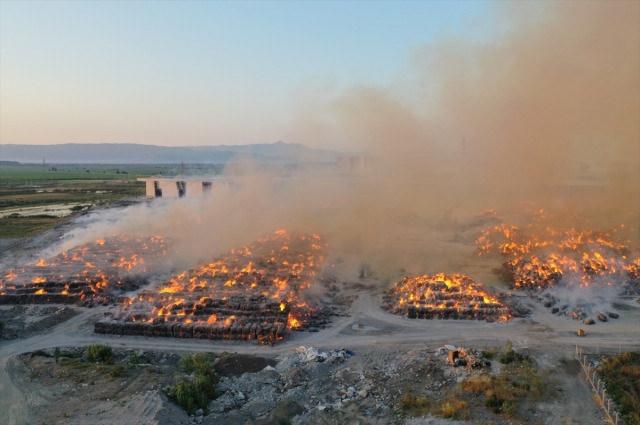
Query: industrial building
x=178 y=187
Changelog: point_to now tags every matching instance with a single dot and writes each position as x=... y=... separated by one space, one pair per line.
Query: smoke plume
x=547 y=112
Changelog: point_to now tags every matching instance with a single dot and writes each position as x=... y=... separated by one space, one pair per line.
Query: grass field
x=29 y=192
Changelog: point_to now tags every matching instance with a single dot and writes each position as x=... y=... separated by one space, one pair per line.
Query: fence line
x=598 y=387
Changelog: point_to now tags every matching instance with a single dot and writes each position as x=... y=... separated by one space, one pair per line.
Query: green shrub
x=508 y=355
x=186 y=395
x=192 y=393
x=99 y=353
x=199 y=363
x=135 y=359
x=415 y=404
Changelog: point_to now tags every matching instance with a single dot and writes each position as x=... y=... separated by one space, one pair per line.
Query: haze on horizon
x=537 y=91
x=200 y=73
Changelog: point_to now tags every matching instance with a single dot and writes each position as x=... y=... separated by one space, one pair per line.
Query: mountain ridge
x=130 y=153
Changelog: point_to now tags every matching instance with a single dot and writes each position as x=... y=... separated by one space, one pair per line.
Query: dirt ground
x=367 y=386
x=391 y=355
x=20 y=321
x=379 y=341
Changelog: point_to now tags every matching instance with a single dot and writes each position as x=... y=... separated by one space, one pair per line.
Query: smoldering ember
x=326 y=213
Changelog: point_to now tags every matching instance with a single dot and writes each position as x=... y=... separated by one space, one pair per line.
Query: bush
x=192 y=393
x=477 y=384
x=135 y=359
x=621 y=374
x=508 y=355
x=99 y=353
x=415 y=404
x=419 y=405
x=188 y=396
x=199 y=363
x=502 y=393
x=453 y=408
x=499 y=405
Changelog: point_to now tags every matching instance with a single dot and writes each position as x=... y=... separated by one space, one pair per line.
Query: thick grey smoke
x=547 y=113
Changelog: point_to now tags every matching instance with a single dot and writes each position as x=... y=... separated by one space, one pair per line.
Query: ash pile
x=574 y=273
x=584 y=310
x=252 y=293
x=90 y=274
x=442 y=296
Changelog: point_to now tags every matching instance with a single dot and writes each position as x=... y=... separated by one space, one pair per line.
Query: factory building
x=178 y=187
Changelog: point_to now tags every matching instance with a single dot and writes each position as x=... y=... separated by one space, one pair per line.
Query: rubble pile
x=251 y=293
x=89 y=274
x=464 y=357
x=303 y=381
x=443 y=296
x=310 y=354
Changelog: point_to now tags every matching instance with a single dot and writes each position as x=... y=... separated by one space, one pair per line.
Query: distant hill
x=129 y=153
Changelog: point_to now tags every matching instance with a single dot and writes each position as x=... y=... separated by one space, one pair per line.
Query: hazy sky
x=178 y=73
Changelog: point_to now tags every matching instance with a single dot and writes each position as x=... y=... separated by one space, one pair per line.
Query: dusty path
x=12 y=401
x=367 y=328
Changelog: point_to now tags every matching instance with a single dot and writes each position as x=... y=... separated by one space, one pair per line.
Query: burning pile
x=559 y=262
x=90 y=274
x=443 y=296
x=250 y=293
x=542 y=259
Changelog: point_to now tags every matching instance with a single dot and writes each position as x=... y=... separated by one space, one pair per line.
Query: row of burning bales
x=254 y=292
x=553 y=263
x=549 y=256
x=537 y=258
x=257 y=292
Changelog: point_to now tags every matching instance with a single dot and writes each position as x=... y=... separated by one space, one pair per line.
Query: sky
x=199 y=73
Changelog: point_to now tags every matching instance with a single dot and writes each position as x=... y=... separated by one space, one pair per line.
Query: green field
x=41 y=188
